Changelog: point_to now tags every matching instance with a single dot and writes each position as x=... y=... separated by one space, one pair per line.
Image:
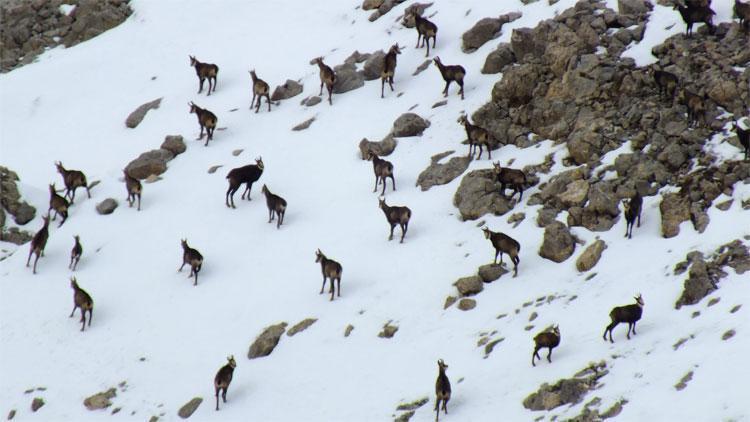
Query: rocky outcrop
x=558 y=244
x=441 y=174
x=497 y=60
x=266 y=341
x=479 y=194
x=136 y=117
x=149 y=163
x=485 y=30
x=409 y=124
x=566 y=391
x=10 y=200
x=288 y=90
x=675 y=209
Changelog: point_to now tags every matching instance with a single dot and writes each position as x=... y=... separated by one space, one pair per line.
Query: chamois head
x=318 y=255
x=487 y=232
x=192 y=60
x=462 y=119
x=59 y=166
x=395 y=49
x=639 y=299
x=381 y=202
x=184 y=243
x=193 y=107
x=441 y=365
x=556 y=330
x=496 y=167
x=259 y=162
x=231 y=361
x=73 y=283
x=437 y=61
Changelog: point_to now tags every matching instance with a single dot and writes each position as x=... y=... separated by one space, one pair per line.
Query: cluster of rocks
x=485 y=30
x=568 y=390
x=406 y=125
x=381 y=7
x=31 y=26
x=267 y=340
x=11 y=203
x=153 y=163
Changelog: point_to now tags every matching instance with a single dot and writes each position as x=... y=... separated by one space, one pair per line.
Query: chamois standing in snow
x=504 y=244
x=451 y=73
x=39 y=241
x=193 y=258
x=331 y=270
x=389 y=68
x=223 y=378
x=515 y=179
x=205 y=71
x=442 y=389
x=548 y=339
x=58 y=204
x=628 y=313
x=425 y=31
x=276 y=206
x=477 y=136
x=743 y=135
x=206 y=120
x=327 y=78
x=75 y=253
x=134 y=188
x=260 y=90
x=694 y=13
x=633 y=208
x=246 y=174
x=383 y=169
x=81 y=300
x=73 y=180
x=396 y=216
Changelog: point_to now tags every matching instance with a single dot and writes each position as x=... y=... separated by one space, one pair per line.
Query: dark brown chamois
x=73 y=180
x=206 y=120
x=515 y=179
x=205 y=71
x=696 y=107
x=39 y=242
x=75 y=253
x=276 y=206
x=57 y=203
x=223 y=378
x=331 y=270
x=193 y=258
x=383 y=169
x=396 y=216
x=666 y=82
x=327 y=78
x=695 y=13
x=628 y=313
x=81 y=300
x=134 y=188
x=425 y=31
x=743 y=135
x=246 y=174
x=477 y=136
x=442 y=389
x=633 y=208
x=389 y=68
x=451 y=73
x=504 y=244
x=742 y=10
x=548 y=339
x=260 y=90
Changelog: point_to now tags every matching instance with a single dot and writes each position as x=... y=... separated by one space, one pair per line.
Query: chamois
x=58 y=203
x=442 y=389
x=504 y=244
x=327 y=78
x=223 y=378
x=331 y=270
x=81 y=300
x=389 y=68
x=73 y=180
x=742 y=10
x=260 y=90
x=206 y=120
x=694 y=13
x=396 y=216
x=666 y=82
x=75 y=253
x=744 y=136
x=548 y=339
x=246 y=174
x=696 y=107
x=134 y=188
x=633 y=208
x=451 y=73
x=39 y=242
x=628 y=313
x=425 y=31
x=205 y=71
x=276 y=206
x=193 y=258
x=383 y=169
x=477 y=136
x=515 y=179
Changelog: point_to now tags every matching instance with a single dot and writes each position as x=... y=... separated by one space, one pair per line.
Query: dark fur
x=39 y=242
x=134 y=188
x=396 y=216
x=75 y=253
x=246 y=174
x=548 y=339
x=451 y=73
x=628 y=313
x=389 y=68
x=260 y=90
x=193 y=258
x=58 y=203
x=633 y=208
x=205 y=71
x=331 y=270
x=743 y=135
x=507 y=177
x=504 y=244
x=742 y=10
x=666 y=82
x=83 y=301
x=73 y=180
x=695 y=13
x=425 y=31
x=327 y=78
x=206 y=120
x=276 y=206
x=478 y=137
x=442 y=389
x=696 y=107
x=223 y=378
x=383 y=170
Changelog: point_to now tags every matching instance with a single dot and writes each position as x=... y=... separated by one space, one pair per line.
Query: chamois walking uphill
x=389 y=68
x=331 y=270
x=248 y=175
x=205 y=71
x=425 y=31
x=508 y=177
x=743 y=135
x=549 y=339
x=477 y=136
x=260 y=90
x=134 y=188
x=276 y=206
x=504 y=244
x=193 y=258
x=442 y=389
x=628 y=313
x=75 y=253
x=694 y=11
x=39 y=241
x=633 y=207
x=73 y=180
x=396 y=216
x=327 y=78
x=58 y=204
x=223 y=378
x=451 y=73
x=82 y=301
x=383 y=170
x=206 y=120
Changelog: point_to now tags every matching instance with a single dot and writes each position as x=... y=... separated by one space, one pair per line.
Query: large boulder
x=190 y=407
x=374 y=65
x=590 y=257
x=380 y=148
x=174 y=144
x=441 y=174
x=409 y=124
x=558 y=244
x=485 y=30
x=10 y=198
x=498 y=59
x=288 y=90
x=149 y=163
x=347 y=79
x=371 y=4
x=469 y=286
x=698 y=284
x=136 y=117
x=675 y=209
x=266 y=341
x=518 y=84
x=479 y=194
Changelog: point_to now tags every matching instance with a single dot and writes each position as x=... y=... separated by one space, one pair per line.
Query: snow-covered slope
x=166 y=338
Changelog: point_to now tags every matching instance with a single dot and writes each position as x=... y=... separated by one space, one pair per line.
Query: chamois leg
x=139 y=202
x=72 y=192
x=549 y=355
x=330 y=90
x=268 y=101
x=390 y=82
x=323 y=286
x=91 y=315
x=377 y=179
x=445 y=406
x=35 y=261
x=489 y=151
x=195 y=281
x=437 y=409
x=419 y=37
x=321 y=88
x=181 y=266
x=224 y=394
x=73 y=311
x=257 y=106
x=393 y=180
x=338 y=280
x=28 y=260
x=230 y=195
x=200 y=85
x=427 y=54
x=331 y=290
x=64 y=217
x=496 y=253
x=393 y=226
x=217 y=398
x=252 y=102
x=634 y=333
x=382 y=87
x=609 y=329
x=445 y=91
x=209 y=85
x=535 y=355
x=480 y=151
x=248 y=189
x=270 y=215
x=461 y=84
x=384 y=184
x=403 y=232
x=639 y=218
x=201 y=134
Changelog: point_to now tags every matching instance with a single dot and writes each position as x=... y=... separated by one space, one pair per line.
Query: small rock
x=517 y=218
x=388 y=330
x=469 y=286
x=311 y=101
x=729 y=334
x=684 y=381
x=449 y=301
x=288 y=90
x=416 y=404
x=12 y=414
x=174 y=144
x=348 y=330
x=106 y=207
x=24 y=213
x=466 y=304
x=36 y=404
x=491 y=272
x=725 y=205
x=440 y=103
x=136 y=117
x=266 y=341
x=148 y=163
x=301 y=326
x=409 y=124
x=189 y=408
x=441 y=174
x=304 y=125
x=237 y=152
x=590 y=256
x=422 y=67
x=212 y=169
